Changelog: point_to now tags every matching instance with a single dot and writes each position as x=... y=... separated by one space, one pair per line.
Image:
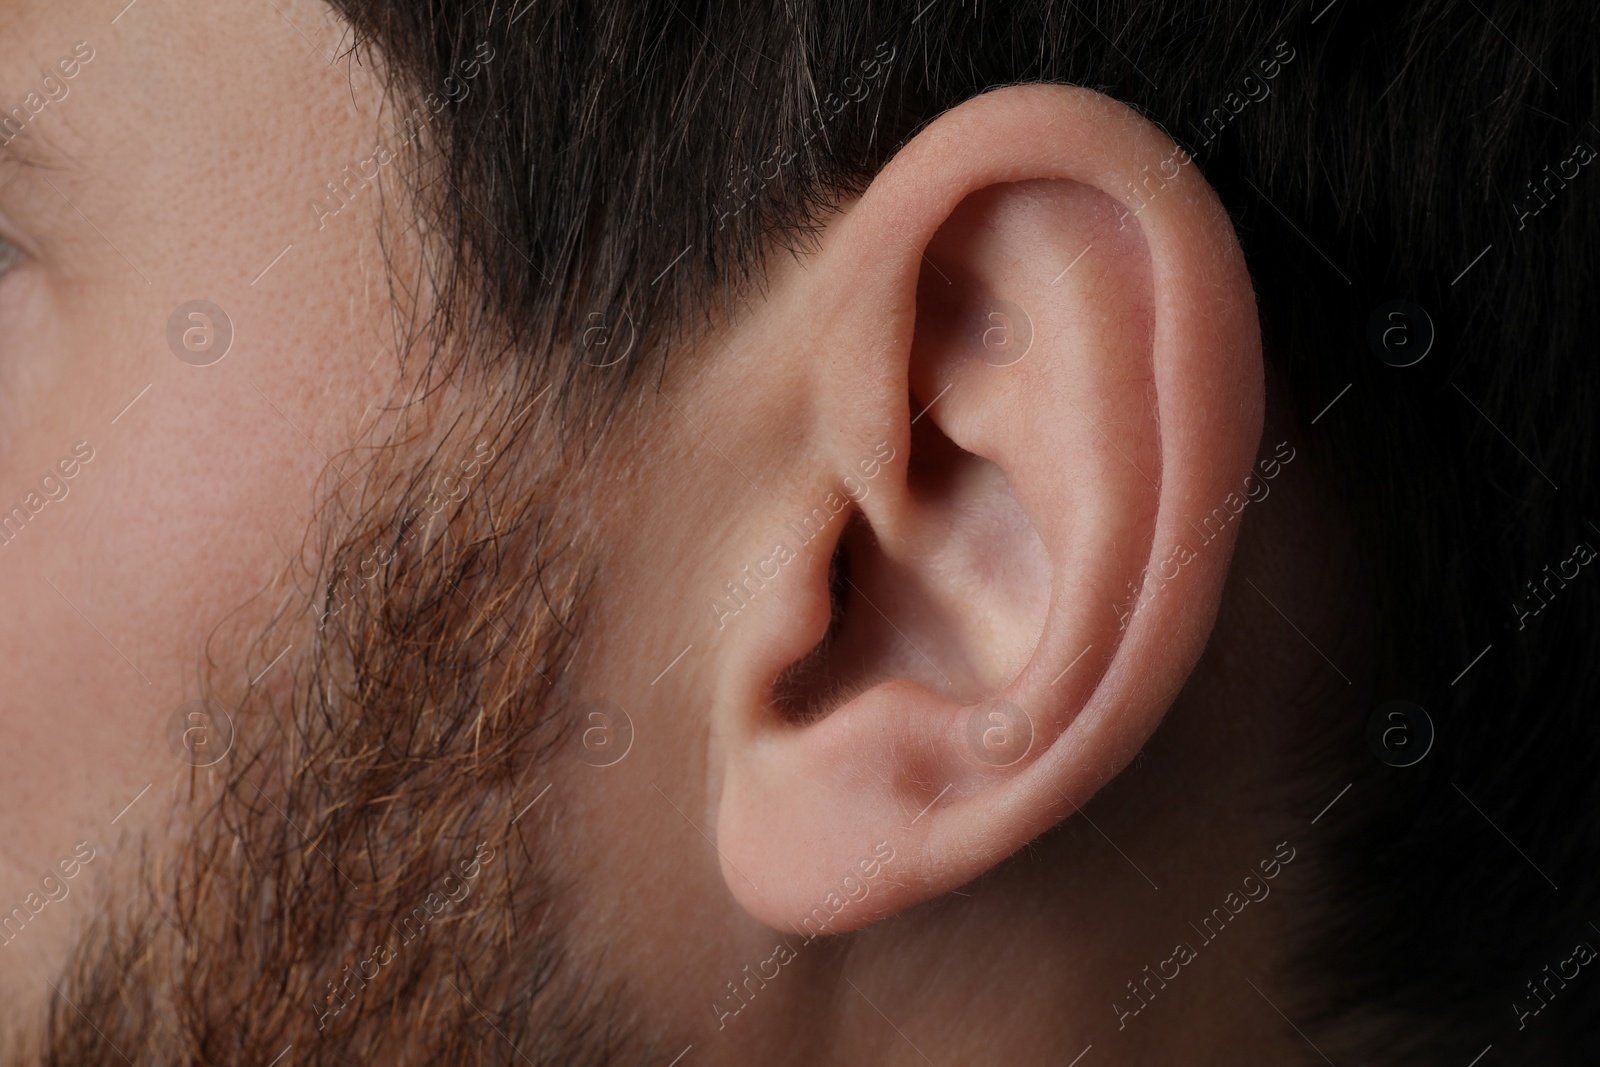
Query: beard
x=354 y=882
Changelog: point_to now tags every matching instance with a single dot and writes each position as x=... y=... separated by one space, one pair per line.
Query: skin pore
x=426 y=721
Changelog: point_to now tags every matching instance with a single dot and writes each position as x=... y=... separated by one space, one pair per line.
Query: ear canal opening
x=839 y=583
x=933 y=455
x=808 y=689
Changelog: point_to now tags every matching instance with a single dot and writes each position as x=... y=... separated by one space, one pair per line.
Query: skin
x=176 y=538
x=200 y=489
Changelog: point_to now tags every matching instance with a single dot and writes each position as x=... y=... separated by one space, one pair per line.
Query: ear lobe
x=1030 y=589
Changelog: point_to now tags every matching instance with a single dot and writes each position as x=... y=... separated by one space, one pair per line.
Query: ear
x=1036 y=377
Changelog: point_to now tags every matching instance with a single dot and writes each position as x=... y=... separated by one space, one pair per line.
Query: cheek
x=204 y=479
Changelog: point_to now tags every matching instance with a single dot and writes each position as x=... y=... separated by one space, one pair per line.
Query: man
x=771 y=533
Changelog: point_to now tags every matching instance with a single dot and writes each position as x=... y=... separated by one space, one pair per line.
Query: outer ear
x=1038 y=564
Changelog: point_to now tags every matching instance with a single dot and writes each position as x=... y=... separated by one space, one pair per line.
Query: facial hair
x=355 y=884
